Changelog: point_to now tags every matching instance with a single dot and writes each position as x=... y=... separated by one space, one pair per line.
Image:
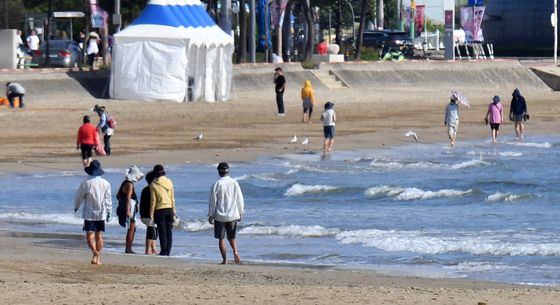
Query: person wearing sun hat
x=128 y=204
x=94 y=196
x=225 y=209
x=495 y=116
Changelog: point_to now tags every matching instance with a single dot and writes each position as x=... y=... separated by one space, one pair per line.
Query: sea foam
x=290 y=231
x=300 y=189
x=412 y=193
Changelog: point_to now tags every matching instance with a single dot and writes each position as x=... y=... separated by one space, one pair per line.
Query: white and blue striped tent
x=170 y=43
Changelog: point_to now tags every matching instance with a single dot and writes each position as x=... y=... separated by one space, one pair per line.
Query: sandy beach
x=51 y=269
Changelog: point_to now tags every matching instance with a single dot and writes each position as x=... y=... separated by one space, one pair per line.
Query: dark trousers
x=11 y=99
x=280 y=101
x=164 y=222
x=107 y=143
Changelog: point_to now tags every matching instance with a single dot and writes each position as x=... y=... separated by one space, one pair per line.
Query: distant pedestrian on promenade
x=103 y=126
x=518 y=113
x=128 y=205
x=151 y=232
x=329 y=121
x=94 y=196
x=452 y=119
x=225 y=209
x=279 y=88
x=162 y=208
x=14 y=90
x=308 y=100
x=33 y=42
x=87 y=140
x=495 y=117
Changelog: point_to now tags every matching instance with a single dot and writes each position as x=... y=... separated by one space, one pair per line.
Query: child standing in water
x=329 y=120
x=495 y=117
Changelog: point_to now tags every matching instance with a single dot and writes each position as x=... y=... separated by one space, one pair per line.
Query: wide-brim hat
x=133 y=174
x=94 y=168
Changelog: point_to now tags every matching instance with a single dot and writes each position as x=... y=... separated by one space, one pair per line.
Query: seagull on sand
x=293 y=140
x=411 y=133
x=305 y=141
x=199 y=137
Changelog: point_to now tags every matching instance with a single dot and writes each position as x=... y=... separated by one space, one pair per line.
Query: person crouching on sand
x=452 y=119
x=94 y=196
x=225 y=209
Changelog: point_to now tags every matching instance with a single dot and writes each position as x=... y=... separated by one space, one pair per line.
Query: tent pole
x=252 y=23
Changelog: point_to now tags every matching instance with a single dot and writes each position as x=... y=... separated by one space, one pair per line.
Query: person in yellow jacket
x=162 y=208
x=308 y=98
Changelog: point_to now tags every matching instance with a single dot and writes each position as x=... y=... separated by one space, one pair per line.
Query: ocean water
x=478 y=211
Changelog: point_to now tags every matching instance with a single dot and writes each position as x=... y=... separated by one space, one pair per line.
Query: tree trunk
x=363 y=18
x=287 y=33
x=310 y=39
x=338 y=26
x=380 y=15
x=242 y=49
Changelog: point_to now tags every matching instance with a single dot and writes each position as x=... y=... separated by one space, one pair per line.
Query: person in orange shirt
x=308 y=98
x=87 y=140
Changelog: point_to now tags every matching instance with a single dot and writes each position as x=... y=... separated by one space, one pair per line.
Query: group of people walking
x=494 y=116
x=328 y=117
x=156 y=208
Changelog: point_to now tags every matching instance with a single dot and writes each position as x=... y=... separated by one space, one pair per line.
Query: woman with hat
x=94 y=196
x=128 y=208
x=162 y=208
x=495 y=117
x=103 y=126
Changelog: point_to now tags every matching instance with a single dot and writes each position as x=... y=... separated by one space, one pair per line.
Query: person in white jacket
x=225 y=210
x=452 y=120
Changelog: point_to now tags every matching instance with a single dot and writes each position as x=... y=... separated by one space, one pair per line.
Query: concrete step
x=328 y=79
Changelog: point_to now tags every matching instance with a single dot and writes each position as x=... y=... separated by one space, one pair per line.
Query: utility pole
x=48 y=37
x=117 y=16
x=252 y=23
x=555 y=31
x=225 y=16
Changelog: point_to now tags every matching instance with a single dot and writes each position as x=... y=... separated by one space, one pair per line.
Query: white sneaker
x=281 y=114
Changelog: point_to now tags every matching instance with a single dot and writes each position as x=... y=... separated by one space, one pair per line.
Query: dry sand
x=41 y=137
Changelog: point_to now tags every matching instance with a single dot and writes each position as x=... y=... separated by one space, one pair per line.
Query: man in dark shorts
x=279 y=88
x=225 y=209
x=94 y=196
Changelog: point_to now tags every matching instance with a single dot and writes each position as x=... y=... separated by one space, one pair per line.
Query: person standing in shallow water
x=162 y=208
x=279 y=88
x=127 y=198
x=225 y=209
x=94 y=196
x=452 y=120
x=151 y=232
x=517 y=113
x=495 y=116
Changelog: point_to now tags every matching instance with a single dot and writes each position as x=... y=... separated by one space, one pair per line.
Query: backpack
x=111 y=122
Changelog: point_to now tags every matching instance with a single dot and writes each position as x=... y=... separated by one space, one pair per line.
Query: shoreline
x=125 y=279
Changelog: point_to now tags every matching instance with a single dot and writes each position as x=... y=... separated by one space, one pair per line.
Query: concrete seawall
x=428 y=76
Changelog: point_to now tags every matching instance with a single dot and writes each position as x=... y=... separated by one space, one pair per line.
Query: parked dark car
x=387 y=39
x=62 y=53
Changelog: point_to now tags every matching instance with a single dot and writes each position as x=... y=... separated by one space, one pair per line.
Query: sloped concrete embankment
x=431 y=76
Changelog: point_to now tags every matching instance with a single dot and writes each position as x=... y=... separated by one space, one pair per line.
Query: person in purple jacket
x=495 y=116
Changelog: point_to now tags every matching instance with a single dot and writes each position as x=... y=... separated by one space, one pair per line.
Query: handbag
x=176 y=221
x=526 y=117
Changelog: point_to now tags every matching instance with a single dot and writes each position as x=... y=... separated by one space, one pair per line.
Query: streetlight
x=555 y=23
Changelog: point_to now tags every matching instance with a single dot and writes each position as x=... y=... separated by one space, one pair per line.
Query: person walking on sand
x=225 y=209
x=94 y=196
x=87 y=140
x=151 y=232
x=104 y=128
x=308 y=98
x=452 y=119
x=279 y=88
x=329 y=121
x=128 y=207
x=517 y=113
x=495 y=117
x=162 y=208
x=14 y=90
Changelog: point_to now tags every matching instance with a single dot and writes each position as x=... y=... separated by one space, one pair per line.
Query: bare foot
x=95 y=258
x=236 y=258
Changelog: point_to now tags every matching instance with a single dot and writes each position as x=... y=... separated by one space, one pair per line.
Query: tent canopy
x=173 y=43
